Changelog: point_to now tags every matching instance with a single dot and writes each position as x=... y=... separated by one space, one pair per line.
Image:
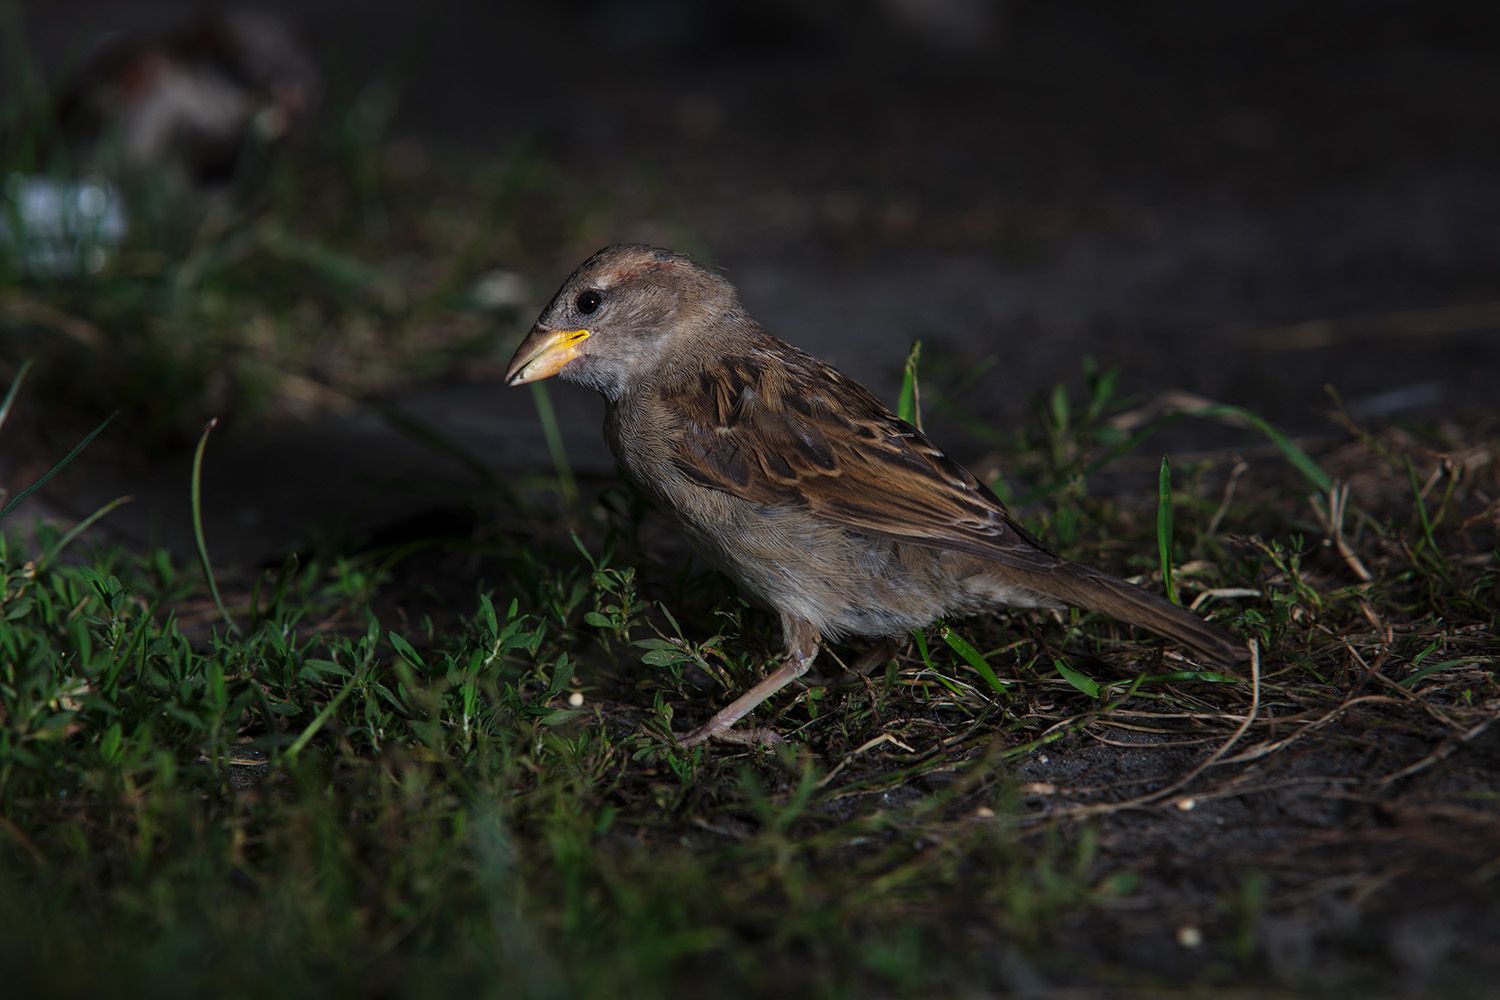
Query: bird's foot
x=728 y=734
x=802 y=646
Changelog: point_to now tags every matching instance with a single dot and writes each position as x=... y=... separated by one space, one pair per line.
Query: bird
x=794 y=480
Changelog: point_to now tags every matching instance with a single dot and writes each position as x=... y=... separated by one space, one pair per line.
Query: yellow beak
x=542 y=354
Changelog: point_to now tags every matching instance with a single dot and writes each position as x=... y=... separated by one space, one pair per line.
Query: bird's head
x=628 y=314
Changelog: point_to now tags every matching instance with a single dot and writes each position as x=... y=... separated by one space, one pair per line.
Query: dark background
x=1175 y=188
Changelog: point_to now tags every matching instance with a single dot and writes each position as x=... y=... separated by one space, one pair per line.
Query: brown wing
x=778 y=426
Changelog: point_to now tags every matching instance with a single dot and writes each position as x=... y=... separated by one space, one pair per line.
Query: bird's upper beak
x=542 y=354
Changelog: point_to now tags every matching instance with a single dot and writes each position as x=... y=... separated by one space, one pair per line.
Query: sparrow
x=794 y=480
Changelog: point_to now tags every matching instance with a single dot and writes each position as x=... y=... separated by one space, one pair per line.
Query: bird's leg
x=801 y=646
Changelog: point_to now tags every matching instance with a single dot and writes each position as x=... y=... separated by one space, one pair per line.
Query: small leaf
x=562 y=676
x=404 y=650
x=971 y=656
x=664 y=657
x=563 y=715
x=487 y=613
x=1083 y=682
x=109 y=743
x=1060 y=408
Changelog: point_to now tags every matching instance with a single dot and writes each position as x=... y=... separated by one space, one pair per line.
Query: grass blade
x=909 y=403
x=971 y=656
x=321 y=719
x=1410 y=682
x=208 y=571
x=920 y=637
x=1077 y=678
x=15 y=387
x=1164 y=527
x=553 y=434
x=1299 y=459
x=423 y=432
x=1429 y=540
x=58 y=467
x=80 y=528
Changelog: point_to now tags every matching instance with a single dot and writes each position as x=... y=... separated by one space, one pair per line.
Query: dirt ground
x=1246 y=201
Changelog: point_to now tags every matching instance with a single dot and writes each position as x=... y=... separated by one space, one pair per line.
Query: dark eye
x=588 y=301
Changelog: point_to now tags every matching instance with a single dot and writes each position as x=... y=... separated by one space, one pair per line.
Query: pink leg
x=801 y=646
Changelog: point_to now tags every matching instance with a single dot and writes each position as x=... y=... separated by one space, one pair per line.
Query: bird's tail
x=1085 y=587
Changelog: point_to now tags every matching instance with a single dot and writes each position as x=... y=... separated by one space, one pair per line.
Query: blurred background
x=327 y=223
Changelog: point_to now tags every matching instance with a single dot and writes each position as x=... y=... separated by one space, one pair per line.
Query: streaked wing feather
x=797 y=432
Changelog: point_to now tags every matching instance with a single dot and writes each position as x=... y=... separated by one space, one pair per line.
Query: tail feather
x=1085 y=587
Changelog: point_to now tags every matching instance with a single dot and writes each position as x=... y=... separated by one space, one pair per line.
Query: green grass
x=297 y=809
x=322 y=799
x=448 y=766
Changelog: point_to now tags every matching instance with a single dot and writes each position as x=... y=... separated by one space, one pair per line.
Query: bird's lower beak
x=542 y=354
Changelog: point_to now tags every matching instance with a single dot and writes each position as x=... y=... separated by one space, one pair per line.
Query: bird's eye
x=588 y=301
